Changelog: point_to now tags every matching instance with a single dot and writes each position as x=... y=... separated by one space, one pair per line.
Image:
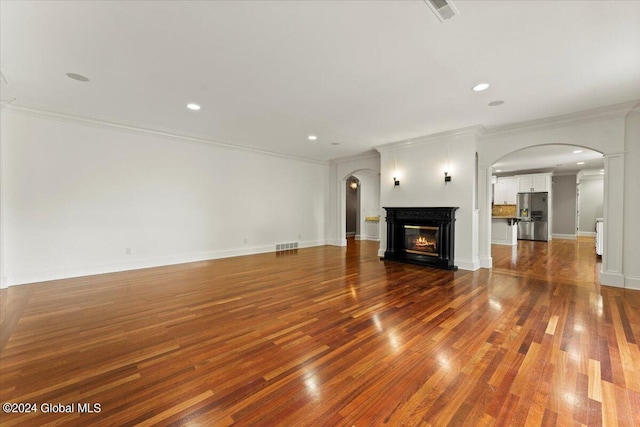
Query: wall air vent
x=286 y=246
x=443 y=9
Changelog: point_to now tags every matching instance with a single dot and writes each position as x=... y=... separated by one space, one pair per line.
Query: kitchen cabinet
x=534 y=183
x=505 y=191
x=504 y=232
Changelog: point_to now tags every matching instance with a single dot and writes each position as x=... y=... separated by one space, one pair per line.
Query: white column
x=383 y=232
x=631 y=266
x=342 y=213
x=484 y=216
x=3 y=180
x=611 y=273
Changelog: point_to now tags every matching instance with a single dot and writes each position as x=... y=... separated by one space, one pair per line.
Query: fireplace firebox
x=422 y=236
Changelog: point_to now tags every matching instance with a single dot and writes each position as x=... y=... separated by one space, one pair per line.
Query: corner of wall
x=612 y=279
x=470 y=265
x=486 y=262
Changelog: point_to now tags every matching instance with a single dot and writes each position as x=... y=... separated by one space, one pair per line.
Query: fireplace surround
x=423 y=236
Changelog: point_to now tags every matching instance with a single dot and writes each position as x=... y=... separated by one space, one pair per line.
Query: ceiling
x=559 y=159
x=357 y=74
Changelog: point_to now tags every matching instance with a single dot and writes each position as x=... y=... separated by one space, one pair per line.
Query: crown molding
x=366 y=155
x=597 y=177
x=579 y=117
x=47 y=112
x=566 y=173
x=474 y=131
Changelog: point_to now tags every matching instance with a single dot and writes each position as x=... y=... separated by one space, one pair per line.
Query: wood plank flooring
x=328 y=336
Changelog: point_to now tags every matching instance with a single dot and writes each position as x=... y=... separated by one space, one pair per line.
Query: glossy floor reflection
x=330 y=336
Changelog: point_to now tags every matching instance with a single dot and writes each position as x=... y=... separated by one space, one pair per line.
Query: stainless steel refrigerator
x=533 y=210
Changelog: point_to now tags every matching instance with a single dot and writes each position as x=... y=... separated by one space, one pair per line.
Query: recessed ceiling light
x=480 y=86
x=577 y=151
x=312 y=137
x=335 y=143
x=580 y=163
x=78 y=77
x=601 y=170
x=495 y=103
x=498 y=170
x=192 y=106
x=601 y=173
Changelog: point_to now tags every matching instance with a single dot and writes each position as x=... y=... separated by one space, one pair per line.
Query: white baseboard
x=486 y=262
x=565 y=236
x=503 y=242
x=337 y=242
x=311 y=243
x=79 y=271
x=381 y=252
x=632 y=283
x=370 y=238
x=467 y=264
x=587 y=233
x=612 y=279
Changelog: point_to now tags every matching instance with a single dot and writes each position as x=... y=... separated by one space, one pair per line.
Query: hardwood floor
x=329 y=336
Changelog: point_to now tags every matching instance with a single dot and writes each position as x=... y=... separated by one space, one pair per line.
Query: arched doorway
x=564 y=166
x=352 y=207
x=613 y=181
x=368 y=200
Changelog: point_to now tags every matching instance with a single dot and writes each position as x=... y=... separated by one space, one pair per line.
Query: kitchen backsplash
x=504 y=210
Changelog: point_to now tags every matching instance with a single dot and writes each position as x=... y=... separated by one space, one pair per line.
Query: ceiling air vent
x=443 y=9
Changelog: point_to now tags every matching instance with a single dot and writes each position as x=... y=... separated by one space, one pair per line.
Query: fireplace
x=422 y=236
x=422 y=240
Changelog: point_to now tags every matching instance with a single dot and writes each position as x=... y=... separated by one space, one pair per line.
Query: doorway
x=361 y=186
x=352 y=207
x=565 y=166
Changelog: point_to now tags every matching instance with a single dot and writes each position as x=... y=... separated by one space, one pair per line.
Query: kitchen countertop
x=511 y=220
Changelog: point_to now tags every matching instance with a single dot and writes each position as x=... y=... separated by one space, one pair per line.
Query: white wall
x=591 y=204
x=419 y=166
x=73 y=197
x=632 y=199
x=564 y=206
x=76 y=196
x=3 y=277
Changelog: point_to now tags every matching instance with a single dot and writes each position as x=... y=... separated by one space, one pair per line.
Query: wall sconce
x=395 y=182
x=447 y=178
x=353 y=185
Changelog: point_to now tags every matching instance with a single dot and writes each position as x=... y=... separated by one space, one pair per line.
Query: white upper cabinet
x=534 y=183
x=542 y=183
x=505 y=191
x=525 y=184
